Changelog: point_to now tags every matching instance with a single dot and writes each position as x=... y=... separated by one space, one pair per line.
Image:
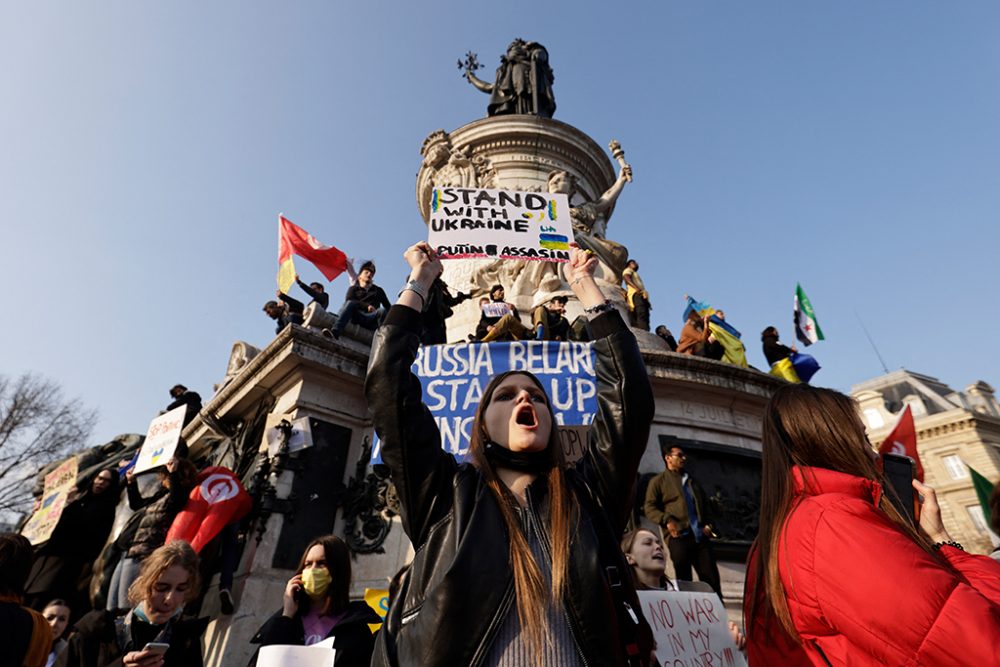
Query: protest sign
x=280 y=655
x=378 y=600
x=161 y=440
x=500 y=224
x=454 y=377
x=299 y=438
x=690 y=629
x=58 y=485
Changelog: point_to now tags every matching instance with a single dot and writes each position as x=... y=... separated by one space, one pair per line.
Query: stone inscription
x=719 y=415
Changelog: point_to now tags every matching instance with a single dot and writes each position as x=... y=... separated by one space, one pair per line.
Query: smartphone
x=156 y=648
x=899 y=471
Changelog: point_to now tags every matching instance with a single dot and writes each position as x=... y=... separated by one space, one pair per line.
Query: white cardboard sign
x=161 y=440
x=279 y=655
x=58 y=485
x=500 y=224
x=690 y=628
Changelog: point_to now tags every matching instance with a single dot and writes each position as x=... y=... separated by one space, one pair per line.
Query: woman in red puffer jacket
x=837 y=576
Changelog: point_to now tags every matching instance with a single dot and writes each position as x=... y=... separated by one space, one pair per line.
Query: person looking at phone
x=317 y=606
x=837 y=575
x=153 y=632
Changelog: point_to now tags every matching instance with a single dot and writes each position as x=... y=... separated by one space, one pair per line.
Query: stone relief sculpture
x=523 y=83
x=446 y=165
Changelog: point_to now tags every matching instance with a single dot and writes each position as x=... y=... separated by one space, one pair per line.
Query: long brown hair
x=338 y=562
x=529 y=588
x=811 y=427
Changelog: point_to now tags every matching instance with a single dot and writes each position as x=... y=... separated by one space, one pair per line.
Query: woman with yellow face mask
x=317 y=606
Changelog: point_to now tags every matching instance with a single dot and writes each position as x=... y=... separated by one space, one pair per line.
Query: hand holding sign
x=425 y=266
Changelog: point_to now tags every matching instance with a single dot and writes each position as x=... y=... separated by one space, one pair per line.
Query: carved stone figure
x=590 y=218
x=445 y=165
x=523 y=83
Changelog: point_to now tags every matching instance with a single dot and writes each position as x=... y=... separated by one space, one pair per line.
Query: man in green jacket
x=676 y=503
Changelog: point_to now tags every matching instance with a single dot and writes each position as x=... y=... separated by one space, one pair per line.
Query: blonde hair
x=177 y=553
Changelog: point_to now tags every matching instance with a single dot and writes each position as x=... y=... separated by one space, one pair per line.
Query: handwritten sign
x=454 y=377
x=500 y=224
x=58 y=485
x=690 y=629
x=299 y=438
x=161 y=440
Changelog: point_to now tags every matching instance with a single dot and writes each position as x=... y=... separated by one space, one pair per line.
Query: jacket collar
x=810 y=481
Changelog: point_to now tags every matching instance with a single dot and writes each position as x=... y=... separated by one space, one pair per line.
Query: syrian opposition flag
x=293 y=240
x=903 y=441
x=806 y=327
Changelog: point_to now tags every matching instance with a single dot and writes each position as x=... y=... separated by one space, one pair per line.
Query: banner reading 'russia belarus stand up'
x=500 y=224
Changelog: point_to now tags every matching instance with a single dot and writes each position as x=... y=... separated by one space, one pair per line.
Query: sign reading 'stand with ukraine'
x=454 y=377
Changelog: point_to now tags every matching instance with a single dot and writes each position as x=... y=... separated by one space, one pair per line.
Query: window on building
x=956 y=468
x=978 y=518
x=874 y=418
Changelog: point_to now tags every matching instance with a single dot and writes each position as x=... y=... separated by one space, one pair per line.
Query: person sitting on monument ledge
x=548 y=320
x=316 y=606
x=664 y=333
x=316 y=292
x=285 y=311
x=500 y=320
x=693 y=335
x=365 y=303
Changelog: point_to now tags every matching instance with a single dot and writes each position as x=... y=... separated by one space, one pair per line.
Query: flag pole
x=885 y=369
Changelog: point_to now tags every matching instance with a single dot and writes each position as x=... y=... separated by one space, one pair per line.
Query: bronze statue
x=523 y=82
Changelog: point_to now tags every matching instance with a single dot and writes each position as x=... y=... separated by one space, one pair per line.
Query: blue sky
x=147 y=149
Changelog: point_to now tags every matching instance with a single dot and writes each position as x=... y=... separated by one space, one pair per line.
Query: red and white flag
x=293 y=240
x=903 y=441
x=216 y=500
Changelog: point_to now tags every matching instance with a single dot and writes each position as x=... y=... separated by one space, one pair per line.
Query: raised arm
x=411 y=443
x=478 y=83
x=619 y=432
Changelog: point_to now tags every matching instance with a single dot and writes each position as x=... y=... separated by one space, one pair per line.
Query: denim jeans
x=355 y=311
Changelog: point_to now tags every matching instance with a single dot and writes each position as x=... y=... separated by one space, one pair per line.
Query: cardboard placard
x=58 y=485
x=690 y=628
x=161 y=440
x=279 y=655
x=500 y=224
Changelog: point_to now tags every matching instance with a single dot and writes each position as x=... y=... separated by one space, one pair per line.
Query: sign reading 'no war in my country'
x=500 y=224
x=454 y=377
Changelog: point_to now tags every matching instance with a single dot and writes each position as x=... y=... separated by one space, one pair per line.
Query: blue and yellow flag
x=734 y=351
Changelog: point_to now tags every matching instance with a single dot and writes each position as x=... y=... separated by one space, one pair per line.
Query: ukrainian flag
x=795 y=368
x=700 y=307
x=734 y=351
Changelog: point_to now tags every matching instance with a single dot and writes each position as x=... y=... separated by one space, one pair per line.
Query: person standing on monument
x=184 y=396
x=636 y=296
x=365 y=303
x=538 y=538
x=676 y=503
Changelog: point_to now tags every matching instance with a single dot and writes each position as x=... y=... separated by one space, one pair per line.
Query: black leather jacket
x=455 y=595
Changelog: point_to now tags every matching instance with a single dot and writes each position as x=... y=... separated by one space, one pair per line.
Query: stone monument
x=519 y=146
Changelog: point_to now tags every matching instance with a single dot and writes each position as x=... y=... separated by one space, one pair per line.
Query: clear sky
x=147 y=148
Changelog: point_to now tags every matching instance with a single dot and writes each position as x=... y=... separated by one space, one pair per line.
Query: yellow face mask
x=316 y=581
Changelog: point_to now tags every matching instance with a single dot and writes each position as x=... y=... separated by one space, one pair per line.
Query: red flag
x=293 y=240
x=903 y=441
x=217 y=500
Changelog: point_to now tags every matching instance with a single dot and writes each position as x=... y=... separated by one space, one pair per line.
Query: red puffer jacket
x=861 y=592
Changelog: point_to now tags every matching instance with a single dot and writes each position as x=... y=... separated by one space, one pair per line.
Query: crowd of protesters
x=836 y=574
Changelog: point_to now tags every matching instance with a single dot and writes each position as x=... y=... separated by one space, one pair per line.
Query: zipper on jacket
x=543 y=539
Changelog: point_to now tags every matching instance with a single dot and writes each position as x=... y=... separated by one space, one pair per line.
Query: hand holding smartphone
x=899 y=471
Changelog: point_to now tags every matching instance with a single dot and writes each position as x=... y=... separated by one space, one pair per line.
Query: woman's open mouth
x=525 y=416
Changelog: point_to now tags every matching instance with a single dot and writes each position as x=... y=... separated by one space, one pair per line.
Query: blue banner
x=454 y=377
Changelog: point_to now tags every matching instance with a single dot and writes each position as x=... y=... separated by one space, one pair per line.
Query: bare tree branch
x=38 y=425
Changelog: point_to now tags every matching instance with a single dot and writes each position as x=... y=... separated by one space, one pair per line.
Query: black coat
x=353 y=639
x=454 y=597
x=76 y=540
x=95 y=642
x=160 y=510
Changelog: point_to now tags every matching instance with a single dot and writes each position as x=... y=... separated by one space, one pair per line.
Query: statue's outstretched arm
x=478 y=83
x=611 y=196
